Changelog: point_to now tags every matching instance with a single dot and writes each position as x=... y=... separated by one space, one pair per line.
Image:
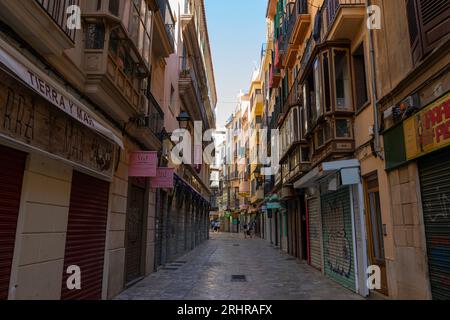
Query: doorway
x=375 y=232
x=135 y=231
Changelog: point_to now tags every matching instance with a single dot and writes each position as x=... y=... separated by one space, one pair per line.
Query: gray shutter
x=435 y=186
x=315 y=235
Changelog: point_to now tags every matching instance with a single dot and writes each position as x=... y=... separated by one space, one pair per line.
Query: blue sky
x=236 y=32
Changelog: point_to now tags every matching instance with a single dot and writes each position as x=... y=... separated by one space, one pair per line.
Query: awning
x=348 y=169
x=14 y=63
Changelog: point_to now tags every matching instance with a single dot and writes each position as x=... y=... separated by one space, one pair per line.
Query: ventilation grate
x=238 y=278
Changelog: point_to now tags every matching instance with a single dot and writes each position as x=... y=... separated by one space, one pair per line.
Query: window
x=318 y=88
x=343 y=128
x=140 y=28
x=95 y=36
x=359 y=67
x=306 y=154
x=326 y=81
x=342 y=80
x=114 y=7
x=172 y=97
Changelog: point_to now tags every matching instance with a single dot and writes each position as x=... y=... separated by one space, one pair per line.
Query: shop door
x=12 y=166
x=159 y=227
x=86 y=236
x=134 y=246
x=435 y=186
x=314 y=232
x=338 y=237
x=375 y=235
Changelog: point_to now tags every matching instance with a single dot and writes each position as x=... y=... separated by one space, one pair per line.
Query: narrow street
x=206 y=274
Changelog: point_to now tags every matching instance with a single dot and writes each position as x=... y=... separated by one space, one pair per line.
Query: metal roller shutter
x=315 y=236
x=435 y=185
x=86 y=236
x=12 y=165
x=338 y=237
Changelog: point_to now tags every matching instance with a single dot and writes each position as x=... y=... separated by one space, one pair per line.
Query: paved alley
x=206 y=274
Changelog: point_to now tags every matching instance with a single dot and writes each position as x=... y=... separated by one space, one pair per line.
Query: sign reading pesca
x=164 y=178
x=429 y=129
x=143 y=164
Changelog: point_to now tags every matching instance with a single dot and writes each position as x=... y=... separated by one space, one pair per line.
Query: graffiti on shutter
x=435 y=186
x=315 y=236
x=338 y=237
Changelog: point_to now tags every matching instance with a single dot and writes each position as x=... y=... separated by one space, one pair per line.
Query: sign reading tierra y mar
x=428 y=130
x=30 y=119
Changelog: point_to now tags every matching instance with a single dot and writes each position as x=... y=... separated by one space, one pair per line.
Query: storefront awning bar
x=326 y=169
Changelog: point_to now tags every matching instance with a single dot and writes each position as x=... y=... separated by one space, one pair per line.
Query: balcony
x=164 y=25
x=192 y=44
x=244 y=189
x=299 y=21
x=257 y=196
x=41 y=23
x=341 y=18
x=190 y=91
x=275 y=77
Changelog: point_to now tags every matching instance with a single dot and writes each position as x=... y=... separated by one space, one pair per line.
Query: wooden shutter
x=428 y=22
x=86 y=236
x=12 y=165
x=434 y=22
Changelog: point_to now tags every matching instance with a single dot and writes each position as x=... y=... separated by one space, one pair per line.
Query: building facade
x=76 y=103
x=361 y=114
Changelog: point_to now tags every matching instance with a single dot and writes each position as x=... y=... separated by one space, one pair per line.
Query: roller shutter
x=435 y=185
x=86 y=235
x=315 y=236
x=12 y=165
x=338 y=237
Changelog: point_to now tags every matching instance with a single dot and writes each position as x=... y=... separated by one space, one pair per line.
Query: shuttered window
x=86 y=236
x=12 y=165
x=359 y=66
x=428 y=22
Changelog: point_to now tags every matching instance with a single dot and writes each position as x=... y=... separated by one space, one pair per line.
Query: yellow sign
x=428 y=130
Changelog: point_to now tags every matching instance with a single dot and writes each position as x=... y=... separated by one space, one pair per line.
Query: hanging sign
x=164 y=178
x=429 y=129
x=143 y=164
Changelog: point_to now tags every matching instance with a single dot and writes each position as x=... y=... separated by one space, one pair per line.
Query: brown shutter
x=86 y=236
x=414 y=34
x=434 y=22
x=12 y=165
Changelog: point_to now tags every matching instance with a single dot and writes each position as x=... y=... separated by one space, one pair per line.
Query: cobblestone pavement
x=206 y=275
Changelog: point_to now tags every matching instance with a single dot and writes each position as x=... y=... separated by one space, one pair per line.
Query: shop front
x=58 y=159
x=336 y=223
x=427 y=141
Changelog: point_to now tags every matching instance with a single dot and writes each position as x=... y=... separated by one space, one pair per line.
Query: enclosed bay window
x=95 y=36
x=140 y=27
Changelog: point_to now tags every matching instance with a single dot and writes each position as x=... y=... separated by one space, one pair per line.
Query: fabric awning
x=14 y=63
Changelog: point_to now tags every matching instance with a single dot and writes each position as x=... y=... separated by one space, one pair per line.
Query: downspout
x=376 y=125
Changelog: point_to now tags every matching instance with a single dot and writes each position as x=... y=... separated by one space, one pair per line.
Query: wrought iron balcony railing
x=57 y=10
x=169 y=21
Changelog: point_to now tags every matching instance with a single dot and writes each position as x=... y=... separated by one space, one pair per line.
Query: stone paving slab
x=271 y=275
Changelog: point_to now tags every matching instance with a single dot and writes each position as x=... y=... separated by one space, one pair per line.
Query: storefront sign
x=54 y=93
x=143 y=164
x=428 y=130
x=31 y=120
x=164 y=178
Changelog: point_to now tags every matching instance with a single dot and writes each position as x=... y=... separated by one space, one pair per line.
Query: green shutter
x=337 y=227
x=394 y=147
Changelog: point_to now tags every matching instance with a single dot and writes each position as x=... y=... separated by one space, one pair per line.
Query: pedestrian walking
x=245 y=231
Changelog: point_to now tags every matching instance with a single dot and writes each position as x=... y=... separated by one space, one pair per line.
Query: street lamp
x=183 y=120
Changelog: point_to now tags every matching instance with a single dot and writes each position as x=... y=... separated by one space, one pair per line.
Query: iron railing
x=155 y=117
x=58 y=12
x=330 y=8
x=169 y=21
x=293 y=11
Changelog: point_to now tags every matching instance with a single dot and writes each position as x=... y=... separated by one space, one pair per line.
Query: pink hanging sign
x=143 y=164
x=164 y=178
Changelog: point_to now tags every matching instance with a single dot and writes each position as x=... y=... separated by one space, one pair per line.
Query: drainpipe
x=376 y=125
